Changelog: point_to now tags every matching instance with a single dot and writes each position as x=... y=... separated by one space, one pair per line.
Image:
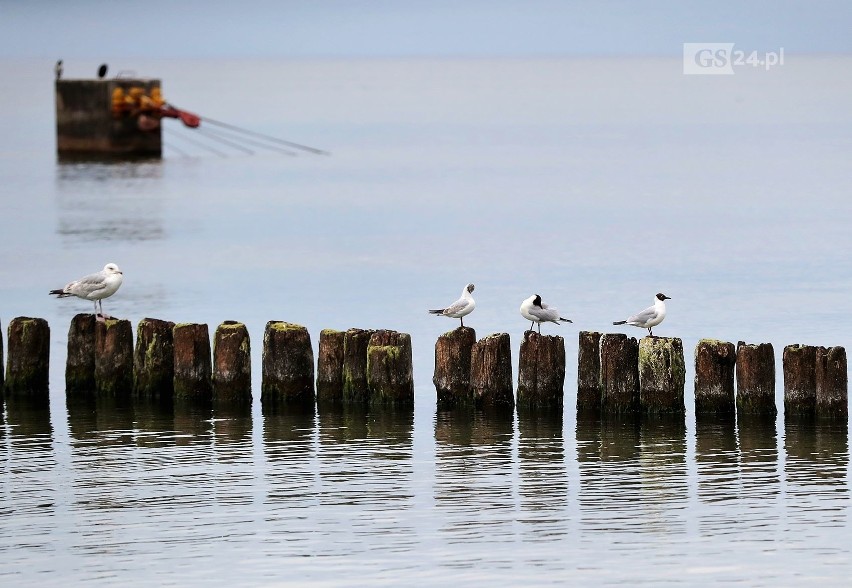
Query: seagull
x=461 y=307
x=95 y=287
x=650 y=317
x=536 y=311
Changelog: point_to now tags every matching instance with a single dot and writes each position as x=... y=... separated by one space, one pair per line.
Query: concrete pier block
x=390 y=375
x=193 y=368
x=80 y=361
x=662 y=375
x=799 y=365
x=491 y=371
x=832 y=396
x=113 y=357
x=232 y=364
x=28 y=359
x=619 y=373
x=452 y=367
x=330 y=367
x=154 y=359
x=715 y=363
x=589 y=372
x=288 y=364
x=756 y=379
x=541 y=371
x=355 y=389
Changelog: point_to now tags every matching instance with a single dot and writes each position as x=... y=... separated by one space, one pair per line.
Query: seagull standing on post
x=94 y=287
x=536 y=311
x=460 y=308
x=650 y=317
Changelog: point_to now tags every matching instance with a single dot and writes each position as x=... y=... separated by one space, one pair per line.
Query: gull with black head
x=650 y=317
x=460 y=308
x=536 y=311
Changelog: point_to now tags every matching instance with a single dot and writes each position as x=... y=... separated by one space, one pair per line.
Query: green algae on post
x=154 y=359
x=232 y=364
x=390 y=377
x=288 y=365
x=662 y=374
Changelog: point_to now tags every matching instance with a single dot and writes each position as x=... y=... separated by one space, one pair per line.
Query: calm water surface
x=595 y=183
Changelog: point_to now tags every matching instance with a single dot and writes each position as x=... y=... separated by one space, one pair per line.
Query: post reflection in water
x=474 y=483
x=633 y=475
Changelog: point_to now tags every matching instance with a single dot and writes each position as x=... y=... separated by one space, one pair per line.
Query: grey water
x=593 y=182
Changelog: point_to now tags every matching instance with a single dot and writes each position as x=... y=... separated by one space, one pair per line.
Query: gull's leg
x=461 y=318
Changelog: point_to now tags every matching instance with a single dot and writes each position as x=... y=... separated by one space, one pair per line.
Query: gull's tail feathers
x=60 y=293
x=620 y=323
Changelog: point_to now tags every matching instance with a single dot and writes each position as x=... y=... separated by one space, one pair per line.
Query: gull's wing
x=644 y=316
x=87 y=285
x=457 y=306
x=545 y=313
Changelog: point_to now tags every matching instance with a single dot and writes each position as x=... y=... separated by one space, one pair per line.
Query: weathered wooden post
x=756 y=379
x=619 y=373
x=80 y=362
x=355 y=344
x=662 y=374
x=193 y=369
x=452 y=367
x=799 y=365
x=714 y=377
x=113 y=357
x=330 y=367
x=28 y=360
x=541 y=371
x=232 y=364
x=2 y=368
x=390 y=375
x=589 y=372
x=832 y=396
x=288 y=365
x=154 y=359
x=491 y=371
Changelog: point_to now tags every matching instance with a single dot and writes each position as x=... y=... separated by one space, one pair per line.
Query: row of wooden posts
x=616 y=373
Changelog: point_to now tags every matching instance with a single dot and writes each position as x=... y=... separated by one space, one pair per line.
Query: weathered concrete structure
x=88 y=125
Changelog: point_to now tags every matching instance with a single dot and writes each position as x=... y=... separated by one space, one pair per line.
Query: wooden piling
x=2 y=368
x=288 y=365
x=619 y=373
x=541 y=371
x=715 y=363
x=154 y=359
x=113 y=357
x=330 y=367
x=589 y=372
x=390 y=375
x=452 y=367
x=355 y=343
x=232 y=364
x=756 y=379
x=832 y=397
x=799 y=365
x=28 y=360
x=662 y=375
x=491 y=371
x=193 y=369
x=80 y=362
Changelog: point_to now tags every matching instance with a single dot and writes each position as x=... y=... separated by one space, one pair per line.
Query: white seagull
x=536 y=311
x=95 y=287
x=461 y=307
x=650 y=317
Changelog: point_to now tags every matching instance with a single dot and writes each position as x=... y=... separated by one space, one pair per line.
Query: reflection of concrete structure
x=108 y=118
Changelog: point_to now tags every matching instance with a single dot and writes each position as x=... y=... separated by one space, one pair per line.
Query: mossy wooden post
x=799 y=364
x=589 y=372
x=193 y=369
x=288 y=365
x=832 y=395
x=491 y=371
x=154 y=359
x=452 y=367
x=541 y=371
x=355 y=344
x=715 y=362
x=113 y=357
x=232 y=364
x=756 y=379
x=662 y=375
x=330 y=367
x=390 y=375
x=80 y=361
x=28 y=358
x=619 y=373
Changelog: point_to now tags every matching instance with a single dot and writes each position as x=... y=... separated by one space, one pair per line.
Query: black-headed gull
x=536 y=311
x=461 y=307
x=650 y=317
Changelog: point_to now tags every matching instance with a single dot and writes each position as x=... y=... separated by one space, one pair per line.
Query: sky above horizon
x=104 y=29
